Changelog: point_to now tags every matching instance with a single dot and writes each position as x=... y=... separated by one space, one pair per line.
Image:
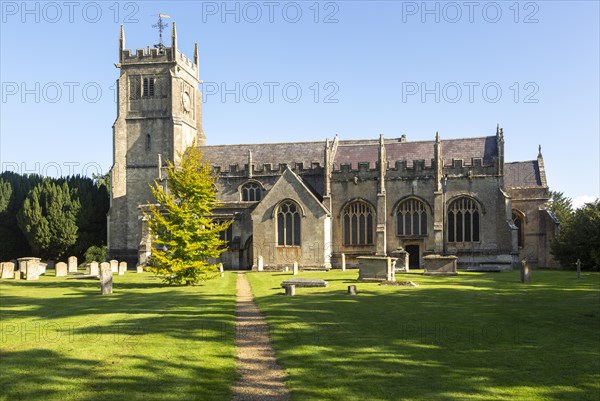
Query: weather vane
x=161 y=26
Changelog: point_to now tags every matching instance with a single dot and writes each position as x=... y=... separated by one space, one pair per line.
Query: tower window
x=411 y=218
x=148 y=87
x=358 y=223
x=463 y=220
x=288 y=224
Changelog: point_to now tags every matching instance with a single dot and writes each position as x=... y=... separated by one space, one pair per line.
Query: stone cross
x=106 y=282
x=295 y=268
x=72 y=262
x=343 y=262
x=94 y=270
x=259 y=263
x=578 y=269
x=525 y=272
x=8 y=270
x=290 y=290
x=122 y=268
x=61 y=269
x=114 y=266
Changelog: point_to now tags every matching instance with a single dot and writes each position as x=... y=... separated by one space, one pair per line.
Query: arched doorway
x=414 y=258
x=247 y=255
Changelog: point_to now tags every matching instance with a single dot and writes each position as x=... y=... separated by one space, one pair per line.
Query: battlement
x=234 y=170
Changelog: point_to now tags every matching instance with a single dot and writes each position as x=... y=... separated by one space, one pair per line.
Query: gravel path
x=261 y=377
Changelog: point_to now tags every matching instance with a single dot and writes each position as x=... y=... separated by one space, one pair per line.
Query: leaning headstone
x=106 y=282
x=525 y=272
x=42 y=268
x=94 y=270
x=8 y=270
x=32 y=271
x=114 y=266
x=290 y=290
x=343 y=262
x=578 y=269
x=259 y=264
x=352 y=290
x=61 y=269
x=122 y=268
x=72 y=263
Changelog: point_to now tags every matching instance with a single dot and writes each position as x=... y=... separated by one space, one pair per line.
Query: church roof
x=274 y=153
x=355 y=152
x=524 y=174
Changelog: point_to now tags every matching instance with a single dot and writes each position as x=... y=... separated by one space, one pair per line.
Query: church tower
x=159 y=114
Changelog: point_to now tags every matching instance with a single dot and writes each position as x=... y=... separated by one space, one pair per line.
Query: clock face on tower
x=187 y=101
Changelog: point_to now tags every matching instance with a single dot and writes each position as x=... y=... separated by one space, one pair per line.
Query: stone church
x=311 y=202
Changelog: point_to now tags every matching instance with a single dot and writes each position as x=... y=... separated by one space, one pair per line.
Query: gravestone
x=94 y=269
x=72 y=263
x=106 y=282
x=42 y=268
x=295 y=268
x=352 y=290
x=61 y=269
x=221 y=270
x=290 y=290
x=32 y=270
x=402 y=256
x=139 y=269
x=259 y=264
x=286 y=269
x=17 y=275
x=343 y=262
x=376 y=268
x=305 y=282
x=8 y=270
x=525 y=272
x=440 y=265
x=114 y=266
x=122 y=268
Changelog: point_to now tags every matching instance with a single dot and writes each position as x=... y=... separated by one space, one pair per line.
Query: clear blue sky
x=373 y=58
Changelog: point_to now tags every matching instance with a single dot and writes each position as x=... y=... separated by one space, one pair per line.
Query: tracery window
x=358 y=224
x=288 y=223
x=411 y=218
x=517 y=219
x=251 y=192
x=463 y=220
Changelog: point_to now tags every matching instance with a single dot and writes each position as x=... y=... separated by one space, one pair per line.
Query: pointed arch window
x=463 y=220
x=358 y=221
x=288 y=224
x=518 y=221
x=251 y=192
x=411 y=218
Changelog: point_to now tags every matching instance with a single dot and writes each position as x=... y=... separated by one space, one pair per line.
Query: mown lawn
x=61 y=340
x=476 y=336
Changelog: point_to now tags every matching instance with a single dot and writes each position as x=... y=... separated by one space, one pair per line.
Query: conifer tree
x=186 y=237
x=48 y=219
x=5 y=193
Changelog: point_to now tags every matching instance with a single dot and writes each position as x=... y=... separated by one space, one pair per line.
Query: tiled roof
x=355 y=152
x=522 y=174
x=274 y=153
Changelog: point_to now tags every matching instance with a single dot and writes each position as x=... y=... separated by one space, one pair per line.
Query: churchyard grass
x=475 y=336
x=62 y=340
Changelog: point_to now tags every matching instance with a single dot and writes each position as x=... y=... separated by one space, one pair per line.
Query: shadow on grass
x=467 y=337
x=42 y=374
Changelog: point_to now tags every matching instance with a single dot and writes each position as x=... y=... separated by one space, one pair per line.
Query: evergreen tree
x=579 y=238
x=5 y=193
x=561 y=206
x=186 y=236
x=48 y=219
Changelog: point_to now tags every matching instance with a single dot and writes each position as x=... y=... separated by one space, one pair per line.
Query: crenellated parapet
x=267 y=169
